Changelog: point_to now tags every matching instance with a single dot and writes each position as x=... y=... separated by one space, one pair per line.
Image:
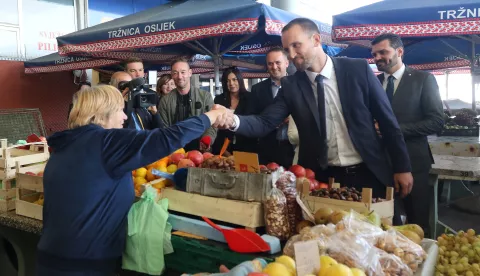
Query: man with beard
x=186 y=101
x=417 y=105
x=333 y=102
x=272 y=148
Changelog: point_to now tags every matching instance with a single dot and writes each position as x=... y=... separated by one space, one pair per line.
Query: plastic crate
x=195 y=256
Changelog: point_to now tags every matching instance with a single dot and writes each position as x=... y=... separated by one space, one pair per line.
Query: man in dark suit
x=272 y=148
x=333 y=102
x=417 y=105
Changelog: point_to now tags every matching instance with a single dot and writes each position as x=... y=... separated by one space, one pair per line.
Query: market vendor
x=88 y=185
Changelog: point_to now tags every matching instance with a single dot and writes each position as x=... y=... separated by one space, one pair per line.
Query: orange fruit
x=134 y=173
x=150 y=176
x=141 y=172
x=160 y=184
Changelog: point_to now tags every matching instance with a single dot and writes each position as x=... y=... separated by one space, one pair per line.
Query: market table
x=448 y=168
x=190 y=256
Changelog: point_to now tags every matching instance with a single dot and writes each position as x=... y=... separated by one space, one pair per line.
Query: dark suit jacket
x=269 y=148
x=242 y=143
x=418 y=107
x=362 y=98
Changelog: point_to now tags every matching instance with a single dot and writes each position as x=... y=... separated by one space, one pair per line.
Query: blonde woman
x=88 y=182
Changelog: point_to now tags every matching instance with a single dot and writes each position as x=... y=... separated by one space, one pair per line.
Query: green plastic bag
x=148 y=235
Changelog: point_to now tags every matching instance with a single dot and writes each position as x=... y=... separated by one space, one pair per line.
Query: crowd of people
x=333 y=116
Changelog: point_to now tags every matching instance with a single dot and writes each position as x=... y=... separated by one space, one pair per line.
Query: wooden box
x=246 y=214
x=7 y=198
x=12 y=156
x=229 y=184
x=29 y=190
x=384 y=208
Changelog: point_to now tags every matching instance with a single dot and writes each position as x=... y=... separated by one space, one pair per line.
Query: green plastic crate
x=195 y=256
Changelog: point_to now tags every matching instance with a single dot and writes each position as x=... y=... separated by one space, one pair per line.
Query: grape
x=469 y=273
x=471 y=232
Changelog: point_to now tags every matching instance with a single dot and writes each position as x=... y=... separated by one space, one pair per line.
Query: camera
x=139 y=94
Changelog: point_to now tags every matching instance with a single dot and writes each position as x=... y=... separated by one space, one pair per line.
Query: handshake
x=221 y=117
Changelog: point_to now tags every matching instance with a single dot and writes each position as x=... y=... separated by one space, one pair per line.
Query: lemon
x=288 y=262
x=139 y=181
x=276 y=269
x=338 y=270
x=172 y=168
x=325 y=263
x=142 y=172
x=358 y=272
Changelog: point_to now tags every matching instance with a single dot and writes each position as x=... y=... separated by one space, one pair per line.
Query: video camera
x=139 y=94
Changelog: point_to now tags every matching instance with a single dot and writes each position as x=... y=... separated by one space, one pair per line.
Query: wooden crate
x=12 y=156
x=246 y=214
x=7 y=197
x=384 y=209
x=29 y=189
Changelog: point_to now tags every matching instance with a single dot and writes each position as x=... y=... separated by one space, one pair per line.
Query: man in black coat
x=417 y=105
x=273 y=147
x=334 y=102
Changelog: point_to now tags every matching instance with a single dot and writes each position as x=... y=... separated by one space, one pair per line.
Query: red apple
x=309 y=174
x=185 y=163
x=273 y=166
x=316 y=184
x=297 y=170
x=42 y=139
x=196 y=157
x=207 y=155
x=176 y=157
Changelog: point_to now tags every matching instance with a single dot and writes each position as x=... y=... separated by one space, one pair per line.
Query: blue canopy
x=409 y=18
x=207 y=27
x=438 y=31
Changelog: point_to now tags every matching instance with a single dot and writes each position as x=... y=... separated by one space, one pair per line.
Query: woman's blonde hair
x=95 y=105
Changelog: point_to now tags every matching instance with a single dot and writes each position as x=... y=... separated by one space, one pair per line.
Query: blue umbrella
x=438 y=30
x=208 y=27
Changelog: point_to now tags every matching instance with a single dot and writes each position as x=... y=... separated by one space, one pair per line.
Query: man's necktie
x=390 y=87
x=323 y=160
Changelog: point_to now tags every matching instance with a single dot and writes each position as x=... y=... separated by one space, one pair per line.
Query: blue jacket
x=88 y=189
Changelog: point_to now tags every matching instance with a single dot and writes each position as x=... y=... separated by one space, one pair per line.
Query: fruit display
x=343 y=193
x=357 y=241
x=459 y=254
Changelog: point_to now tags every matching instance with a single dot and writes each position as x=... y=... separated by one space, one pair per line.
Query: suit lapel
x=306 y=88
x=342 y=80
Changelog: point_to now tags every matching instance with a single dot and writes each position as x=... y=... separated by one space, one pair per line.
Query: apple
x=176 y=157
x=30 y=173
x=207 y=155
x=185 y=163
x=312 y=185
x=40 y=174
x=273 y=166
x=196 y=157
x=42 y=139
x=297 y=170
x=309 y=174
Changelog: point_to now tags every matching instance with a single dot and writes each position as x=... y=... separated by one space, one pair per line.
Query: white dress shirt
x=341 y=151
x=397 y=77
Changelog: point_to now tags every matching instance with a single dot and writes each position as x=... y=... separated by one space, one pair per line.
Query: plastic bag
x=397 y=244
x=318 y=233
x=275 y=208
x=353 y=251
x=359 y=226
x=287 y=183
x=147 y=235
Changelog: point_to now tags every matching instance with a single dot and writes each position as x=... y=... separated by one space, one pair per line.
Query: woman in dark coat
x=235 y=97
